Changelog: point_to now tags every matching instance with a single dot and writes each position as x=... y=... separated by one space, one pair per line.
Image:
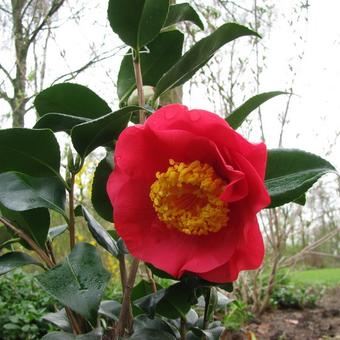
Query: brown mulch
x=321 y=322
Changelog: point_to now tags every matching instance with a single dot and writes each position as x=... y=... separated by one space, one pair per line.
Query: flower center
x=186 y=197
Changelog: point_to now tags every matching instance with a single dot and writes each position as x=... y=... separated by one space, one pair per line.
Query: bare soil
x=321 y=322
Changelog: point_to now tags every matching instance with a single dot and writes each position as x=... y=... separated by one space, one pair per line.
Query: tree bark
x=21 y=48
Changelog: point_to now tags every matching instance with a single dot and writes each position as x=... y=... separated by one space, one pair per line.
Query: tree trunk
x=21 y=49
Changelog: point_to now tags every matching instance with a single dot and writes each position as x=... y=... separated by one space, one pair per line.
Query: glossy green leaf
x=78 y=282
x=33 y=222
x=290 y=173
x=100 y=234
x=59 y=122
x=70 y=99
x=163 y=53
x=211 y=299
x=33 y=152
x=160 y=273
x=152 y=329
x=13 y=260
x=96 y=334
x=212 y=333
x=191 y=318
x=152 y=334
x=56 y=231
x=58 y=336
x=199 y=55
x=195 y=281
x=301 y=200
x=172 y=302
x=59 y=319
x=143 y=288
x=222 y=301
x=177 y=301
x=238 y=116
x=101 y=131
x=137 y=22
x=183 y=12
x=100 y=199
x=110 y=309
x=5 y=236
x=20 y=192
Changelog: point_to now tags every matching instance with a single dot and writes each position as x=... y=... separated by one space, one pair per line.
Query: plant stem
x=206 y=309
x=183 y=330
x=50 y=264
x=50 y=251
x=9 y=242
x=150 y=278
x=139 y=84
x=125 y=321
x=122 y=270
x=28 y=239
x=73 y=321
x=71 y=224
x=124 y=317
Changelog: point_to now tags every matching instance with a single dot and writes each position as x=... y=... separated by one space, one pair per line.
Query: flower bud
x=148 y=95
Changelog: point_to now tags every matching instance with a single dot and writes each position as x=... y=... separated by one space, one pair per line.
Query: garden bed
x=322 y=322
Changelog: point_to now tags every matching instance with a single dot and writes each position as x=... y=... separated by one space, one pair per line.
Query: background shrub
x=22 y=304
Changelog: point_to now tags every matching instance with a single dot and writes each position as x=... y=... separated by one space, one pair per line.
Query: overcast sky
x=315 y=110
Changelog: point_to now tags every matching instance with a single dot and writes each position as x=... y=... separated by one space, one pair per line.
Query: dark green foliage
x=294 y=296
x=199 y=55
x=183 y=12
x=137 y=22
x=20 y=192
x=22 y=305
x=100 y=200
x=238 y=116
x=88 y=136
x=100 y=234
x=70 y=99
x=32 y=152
x=291 y=172
x=79 y=281
x=237 y=315
x=34 y=222
x=15 y=259
x=163 y=53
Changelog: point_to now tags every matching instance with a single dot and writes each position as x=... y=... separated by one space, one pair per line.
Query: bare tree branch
x=7 y=74
x=293 y=259
x=5 y=10
x=54 y=8
x=26 y=8
x=3 y=95
x=73 y=74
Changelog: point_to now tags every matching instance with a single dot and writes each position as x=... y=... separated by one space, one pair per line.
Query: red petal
x=209 y=125
x=168 y=249
x=248 y=255
x=258 y=197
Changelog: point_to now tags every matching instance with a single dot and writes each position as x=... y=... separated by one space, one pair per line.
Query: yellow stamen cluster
x=186 y=197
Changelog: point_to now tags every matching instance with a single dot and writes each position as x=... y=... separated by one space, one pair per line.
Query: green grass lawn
x=326 y=276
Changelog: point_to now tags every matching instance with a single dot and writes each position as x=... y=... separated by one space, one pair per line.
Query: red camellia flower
x=185 y=191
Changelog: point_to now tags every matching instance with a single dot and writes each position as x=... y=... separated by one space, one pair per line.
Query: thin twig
x=4 y=70
x=122 y=270
x=28 y=239
x=54 y=8
x=139 y=83
x=71 y=224
x=151 y=279
x=124 y=319
x=183 y=329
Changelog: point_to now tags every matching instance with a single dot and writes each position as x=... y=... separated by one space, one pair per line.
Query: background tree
x=30 y=20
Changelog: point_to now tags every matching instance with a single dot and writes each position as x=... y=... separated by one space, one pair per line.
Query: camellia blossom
x=185 y=190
